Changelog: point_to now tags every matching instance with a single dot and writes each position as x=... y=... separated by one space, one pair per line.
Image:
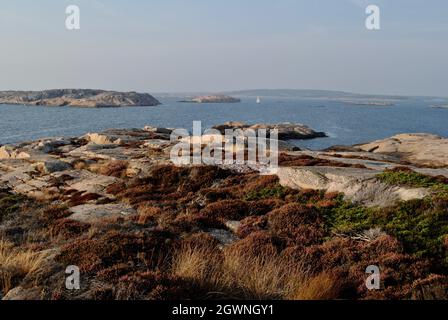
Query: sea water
x=345 y=124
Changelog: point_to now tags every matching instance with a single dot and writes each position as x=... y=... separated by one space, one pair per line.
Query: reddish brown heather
x=286 y=160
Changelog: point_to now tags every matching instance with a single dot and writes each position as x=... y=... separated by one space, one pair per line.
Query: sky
x=220 y=45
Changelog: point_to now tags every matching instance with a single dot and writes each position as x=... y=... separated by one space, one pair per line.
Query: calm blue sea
x=345 y=124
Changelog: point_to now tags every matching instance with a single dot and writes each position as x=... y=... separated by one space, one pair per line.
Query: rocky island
x=78 y=98
x=139 y=227
x=286 y=130
x=439 y=106
x=369 y=103
x=213 y=99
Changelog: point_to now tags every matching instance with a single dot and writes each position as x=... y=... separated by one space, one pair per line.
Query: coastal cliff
x=78 y=98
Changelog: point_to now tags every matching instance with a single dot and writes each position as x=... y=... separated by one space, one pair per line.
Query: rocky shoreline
x=113 y=204
x=86 y=98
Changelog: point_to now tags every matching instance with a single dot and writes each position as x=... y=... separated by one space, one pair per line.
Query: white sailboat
x=258 y=100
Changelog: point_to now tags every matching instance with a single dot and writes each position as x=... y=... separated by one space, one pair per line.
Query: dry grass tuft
x=115 y=168
x=15 y=264
x=148 y=214
x=231 y=273
x=321 y=287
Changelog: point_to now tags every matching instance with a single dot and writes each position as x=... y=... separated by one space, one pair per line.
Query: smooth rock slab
x=358 y=185
x=91 y=213
x=417 y=148
x=88 y=182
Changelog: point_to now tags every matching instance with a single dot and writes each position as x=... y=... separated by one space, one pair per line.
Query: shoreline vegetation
x=139 y=227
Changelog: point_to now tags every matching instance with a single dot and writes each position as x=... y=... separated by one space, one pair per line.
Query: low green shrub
x=413 y=179
x=273 y=192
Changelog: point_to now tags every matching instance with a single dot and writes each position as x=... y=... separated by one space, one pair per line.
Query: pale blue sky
x=211 y=45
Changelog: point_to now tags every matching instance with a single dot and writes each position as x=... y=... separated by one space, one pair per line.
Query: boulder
x=47 y=167
x=158 y=130
x=102 y=139
x=9 y=152
x=51 y=145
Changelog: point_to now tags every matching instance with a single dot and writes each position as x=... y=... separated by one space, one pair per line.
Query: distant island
x=369 y=103
x=213 y=99
x=87 y=98
x=314 y=94
x=440 y=106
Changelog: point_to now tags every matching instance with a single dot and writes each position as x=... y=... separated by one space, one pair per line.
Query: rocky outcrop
x=213 y=99
x=78 y=98
x=358 y=185
x=106 y=205
x=34 y=168
x=286 y=131
x=416 y=148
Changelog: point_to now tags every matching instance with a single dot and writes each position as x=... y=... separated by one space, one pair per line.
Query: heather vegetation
x=285 y=244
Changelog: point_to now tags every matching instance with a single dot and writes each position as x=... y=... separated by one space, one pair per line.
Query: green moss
x=274 y=192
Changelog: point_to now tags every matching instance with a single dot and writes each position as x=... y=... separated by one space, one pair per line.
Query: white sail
x=258 y=100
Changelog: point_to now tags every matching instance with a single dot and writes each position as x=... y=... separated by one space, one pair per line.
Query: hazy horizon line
x=230 y=91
